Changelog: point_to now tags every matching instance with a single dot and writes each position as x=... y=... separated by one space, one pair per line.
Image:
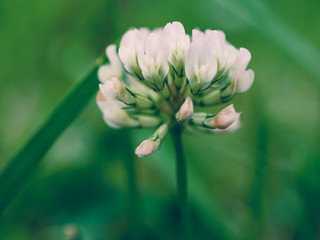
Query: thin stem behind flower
x=181 y=173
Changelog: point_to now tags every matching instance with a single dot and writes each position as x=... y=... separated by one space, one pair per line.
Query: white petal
x=197 y=34
x=132 y=44
x=108 y=90
x=174 y=31
x=105 y=72
x=243 y=59
x=178 y=42
x=153 y=62
x=113 y=115
x=201 y=64
x=245 y=81
x=114 y=59
x=230 y=53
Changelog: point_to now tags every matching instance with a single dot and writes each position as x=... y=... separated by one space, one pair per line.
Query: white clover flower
x=159 y=77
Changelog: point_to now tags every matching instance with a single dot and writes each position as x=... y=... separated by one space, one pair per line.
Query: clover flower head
x=157 y=79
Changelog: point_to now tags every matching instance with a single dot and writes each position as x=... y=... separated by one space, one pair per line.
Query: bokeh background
x=262 y=182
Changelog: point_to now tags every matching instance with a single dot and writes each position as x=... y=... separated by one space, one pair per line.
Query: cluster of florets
x=157 y=77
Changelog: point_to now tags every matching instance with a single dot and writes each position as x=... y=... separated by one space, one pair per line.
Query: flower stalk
x=182 y=182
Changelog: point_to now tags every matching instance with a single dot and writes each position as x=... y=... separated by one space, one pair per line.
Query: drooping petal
x=245 y=81
x=113 y=115
x=115 y=89
x=114 y=68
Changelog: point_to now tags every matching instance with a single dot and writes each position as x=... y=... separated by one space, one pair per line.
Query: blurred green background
x=262 y=182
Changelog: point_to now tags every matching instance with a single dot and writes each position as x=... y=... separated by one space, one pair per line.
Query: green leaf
x=16 y=173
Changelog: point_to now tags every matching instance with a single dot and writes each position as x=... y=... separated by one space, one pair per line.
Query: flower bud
x=147 y=147
x=150 y=145
x=186 y=111
x=223 y=119
x=233 y=127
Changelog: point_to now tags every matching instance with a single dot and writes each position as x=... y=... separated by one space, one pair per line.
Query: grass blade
x=16 y=172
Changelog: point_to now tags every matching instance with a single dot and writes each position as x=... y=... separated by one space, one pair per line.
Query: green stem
x=133 y=196
x=17 y=171
x=181 y=171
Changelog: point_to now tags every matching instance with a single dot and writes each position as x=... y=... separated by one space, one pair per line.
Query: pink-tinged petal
x=233 y=127
x=224 y=118
x=186 y=110
x=147 y=147
x=174 y=31
x=218 y=39
x=197 y=34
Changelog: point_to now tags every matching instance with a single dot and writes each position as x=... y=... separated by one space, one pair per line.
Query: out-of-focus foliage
x=261 y=182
